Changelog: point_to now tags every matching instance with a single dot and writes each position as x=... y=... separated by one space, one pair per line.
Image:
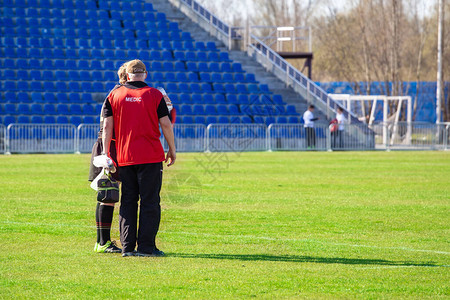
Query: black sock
x=97 y=221
x=104 y=218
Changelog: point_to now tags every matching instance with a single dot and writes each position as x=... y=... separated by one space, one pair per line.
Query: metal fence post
x=269 y=139
x=328 y=137
x=208 y=128
x=8 y=146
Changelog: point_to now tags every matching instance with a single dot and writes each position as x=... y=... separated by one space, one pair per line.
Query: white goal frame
x=375 y=99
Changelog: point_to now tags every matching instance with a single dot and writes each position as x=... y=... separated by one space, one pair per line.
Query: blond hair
x=122 y=72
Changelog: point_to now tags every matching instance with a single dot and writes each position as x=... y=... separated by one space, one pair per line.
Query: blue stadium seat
x=185 y=110
x=190 y=56
x=213 y=56
x=218 y=88
x=211 y=120
x=219 y=99
x=281 y=120
x=179 y=66
x=200 y=56
x=168 y=66
x=199 y=120
x=49 y=120
x=10 y=109
x=201 y=67
x=49 y=86
x=36 y=109
x=198 y=110
x=223 y=57
x=230 y=88
x=293 y=120
x=232 y=99
x=49 y=97
x=23 y=97
x=269 y=120
x=62 y=109
x=264 y=88
x=228 y=77
x=88 y=109
x=187 y=120
x=207 y=88
x=221 y=110
x=61 y=97
x=208 y=99
x=89 y=120
x=156 y=66
x=216 y=77
x=75 y=120
x=195 y=88
x=290 y=110
x=243 y=99
x=204 y=76
x=246 y=120
x=181 y=77
x=75 y=109
x=86 y=98
x=37 y=120
x=23 y=119
x=225 y=67
x=23 y=109
x=196 y=98
x=49 y=109
x=223 y=120
x=277 y=99
x=9 y=120
x=258 y=120
x=62 y=120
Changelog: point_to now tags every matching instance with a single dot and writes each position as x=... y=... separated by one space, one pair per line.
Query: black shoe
x=132 y=253
x=155 y=253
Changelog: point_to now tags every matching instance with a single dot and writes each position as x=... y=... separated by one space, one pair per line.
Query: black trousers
x=145 y=181
x=337 y=141
x=310 y=137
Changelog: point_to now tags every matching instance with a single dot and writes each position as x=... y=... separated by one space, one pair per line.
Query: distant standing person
x=308 y=118
x=341 y=120
x=135 y=111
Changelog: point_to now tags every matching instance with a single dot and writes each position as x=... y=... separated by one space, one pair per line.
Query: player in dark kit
x=104 y=211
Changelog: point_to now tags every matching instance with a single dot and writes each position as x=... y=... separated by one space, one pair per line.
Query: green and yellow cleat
x=109 y=247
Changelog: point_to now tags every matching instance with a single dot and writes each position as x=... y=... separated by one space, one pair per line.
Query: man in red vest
x=135 y=111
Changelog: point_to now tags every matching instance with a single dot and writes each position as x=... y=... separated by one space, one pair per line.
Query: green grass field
x=265 y=225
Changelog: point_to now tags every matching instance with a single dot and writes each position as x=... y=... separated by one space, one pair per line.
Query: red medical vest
x=136 y=125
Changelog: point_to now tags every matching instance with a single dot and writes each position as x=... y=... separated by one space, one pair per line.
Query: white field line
x=239 y=237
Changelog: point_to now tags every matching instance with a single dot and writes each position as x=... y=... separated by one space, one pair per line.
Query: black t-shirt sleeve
x=107 y=109
x=162 y=109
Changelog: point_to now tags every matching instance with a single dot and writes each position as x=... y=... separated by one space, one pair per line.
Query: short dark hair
x=340 y=108
x=311 y=106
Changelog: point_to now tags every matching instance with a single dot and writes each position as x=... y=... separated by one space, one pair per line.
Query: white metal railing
x=2 y=138
x=188 y=138
x=446 y=135
x=236 y=137
x=87 y=135
x=41 y=138
x=417 y=135
x=65 y=138
x=297 y=137
x=230 y=32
